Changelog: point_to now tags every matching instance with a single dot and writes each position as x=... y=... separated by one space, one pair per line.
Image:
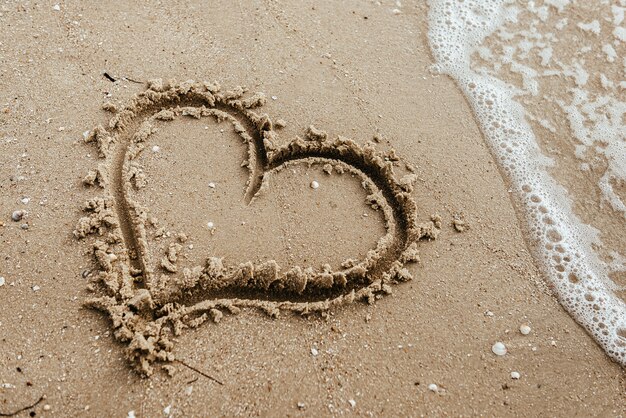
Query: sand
x=357 y=70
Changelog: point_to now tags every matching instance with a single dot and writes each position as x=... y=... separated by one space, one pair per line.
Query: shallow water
x=546 y=83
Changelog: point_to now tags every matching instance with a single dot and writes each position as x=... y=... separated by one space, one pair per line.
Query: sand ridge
x=149 y=308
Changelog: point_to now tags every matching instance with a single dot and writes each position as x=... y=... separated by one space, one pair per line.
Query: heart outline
x=142 y=314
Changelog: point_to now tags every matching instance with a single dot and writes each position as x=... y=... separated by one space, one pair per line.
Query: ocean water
x=547 y=83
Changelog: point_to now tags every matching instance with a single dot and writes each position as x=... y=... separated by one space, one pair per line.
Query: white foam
x=563 y=244
x=593 y=26
x=610 y=52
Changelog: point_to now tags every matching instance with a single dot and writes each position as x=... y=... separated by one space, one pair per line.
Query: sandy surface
x=351 y=70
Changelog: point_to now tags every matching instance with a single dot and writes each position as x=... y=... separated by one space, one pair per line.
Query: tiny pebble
x=524 y=329
x=314 y=184
x=131 y=414
x=167 y=409
x=47 y=407
x=36 y=288
x=301 y=405
x=489 y=313
x=156 y=148
x=56 y=7
x=433 y=387
x=314 y=351
x=352 y=402
x=212 y=185
x=515 y=375
x=499 y=349
x=24 y=226
x=274 y=98
x=210 y=225
x=17 y=215
x=25 y=200
x=2 y=281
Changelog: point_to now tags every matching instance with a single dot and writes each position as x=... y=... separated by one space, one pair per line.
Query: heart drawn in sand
x=149 y=306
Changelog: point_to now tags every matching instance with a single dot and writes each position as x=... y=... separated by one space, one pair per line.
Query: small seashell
x=515 y=375
x=18 y=215
x=156 y=148
x=212 y=185
x=314 y=184
x=2 y=281
x=433 y=387
x=499 y=349
x=314 y=351
x=210 y=225
x=524 y=329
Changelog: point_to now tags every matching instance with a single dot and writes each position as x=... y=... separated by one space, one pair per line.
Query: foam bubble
x=563 y=243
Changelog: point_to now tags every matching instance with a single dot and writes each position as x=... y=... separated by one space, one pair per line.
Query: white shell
x=17 y=215
x=499 y=349
x=314 y=184
x=433 y=387
x=524 y=329
x=156 y=148
x=210 y=225
x=2 y=281
x=515 y=375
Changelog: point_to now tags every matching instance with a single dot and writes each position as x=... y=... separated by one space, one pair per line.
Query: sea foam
x=565 y=246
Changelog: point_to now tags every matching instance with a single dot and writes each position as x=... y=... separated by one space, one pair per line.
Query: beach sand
x=353 y=69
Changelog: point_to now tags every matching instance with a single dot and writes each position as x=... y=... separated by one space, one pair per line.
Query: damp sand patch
x=153 y=296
